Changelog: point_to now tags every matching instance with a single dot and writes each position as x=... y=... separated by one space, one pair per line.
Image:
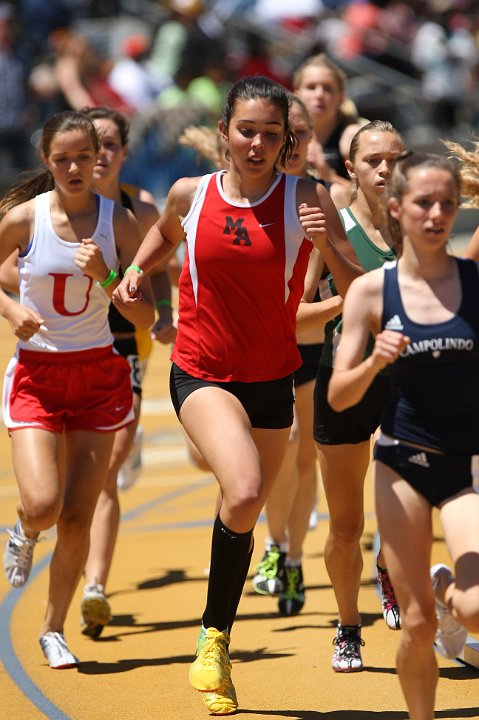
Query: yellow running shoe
x=222 y=701
x=95 y=610
x=210 y=667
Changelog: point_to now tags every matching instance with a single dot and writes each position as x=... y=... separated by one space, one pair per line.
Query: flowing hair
x=469 y=169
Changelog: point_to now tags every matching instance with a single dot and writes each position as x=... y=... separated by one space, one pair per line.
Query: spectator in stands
x=38 y=19
x=183 y=44
x=82 y=75
x=445 y=52
x=132 y=77
x=14 y=143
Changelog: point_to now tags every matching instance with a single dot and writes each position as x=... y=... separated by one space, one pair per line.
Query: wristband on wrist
x=163 y=303
x=134 y=267
x=112 y=275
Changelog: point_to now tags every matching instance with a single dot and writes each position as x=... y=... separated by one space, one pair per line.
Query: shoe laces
x=348 y=642
x=214 y=650
x=269 y=564
x=21 y=547
x=387 y=590
x=292 y=577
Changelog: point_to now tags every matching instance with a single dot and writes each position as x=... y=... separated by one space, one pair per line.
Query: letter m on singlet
x=235 y=227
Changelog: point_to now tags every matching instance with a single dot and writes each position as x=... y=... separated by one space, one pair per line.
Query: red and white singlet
x=241 y=284
x=74 y=308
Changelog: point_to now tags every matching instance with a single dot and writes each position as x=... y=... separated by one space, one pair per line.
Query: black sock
x=236 y=597
x=229 y=553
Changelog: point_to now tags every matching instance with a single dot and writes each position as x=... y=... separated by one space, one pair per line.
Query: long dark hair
x=41 y=181
x=106 y=113
x=259 y=87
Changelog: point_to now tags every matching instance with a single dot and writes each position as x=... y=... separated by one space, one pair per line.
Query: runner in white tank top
x=66 y=391
x=66 y=301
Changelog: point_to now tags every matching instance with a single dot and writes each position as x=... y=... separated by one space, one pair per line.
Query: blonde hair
x=469 y=169
x=205 y=141
x=379 y=126
x=400 y=179
x=347 y=109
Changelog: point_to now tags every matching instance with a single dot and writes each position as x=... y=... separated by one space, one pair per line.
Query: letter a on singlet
x=236 y=227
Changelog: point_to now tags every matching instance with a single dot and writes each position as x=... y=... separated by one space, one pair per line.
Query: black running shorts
x=351 y=426
x=268 y=404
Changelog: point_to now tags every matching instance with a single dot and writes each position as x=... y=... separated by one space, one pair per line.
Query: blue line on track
x=9 y=659
x=136 y=512
x=7 y=652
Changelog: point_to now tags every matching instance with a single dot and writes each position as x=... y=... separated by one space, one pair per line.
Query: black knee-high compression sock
x=229 y=552
x=236 y=597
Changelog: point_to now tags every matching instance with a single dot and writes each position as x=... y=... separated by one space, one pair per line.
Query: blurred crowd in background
x=167 y=64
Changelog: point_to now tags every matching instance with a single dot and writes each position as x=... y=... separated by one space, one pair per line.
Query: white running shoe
x=450 y=635
x=95 y=610
x=391 y=612
x=56 y=651
x=347 y=649
x=18 y=556
x=130 y=470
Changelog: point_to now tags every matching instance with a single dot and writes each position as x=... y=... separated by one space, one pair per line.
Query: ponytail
x=36 y=182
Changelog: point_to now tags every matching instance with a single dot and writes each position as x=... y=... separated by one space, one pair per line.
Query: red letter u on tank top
x=59 y=284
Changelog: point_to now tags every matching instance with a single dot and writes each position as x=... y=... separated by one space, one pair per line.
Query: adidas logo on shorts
x=419 y=459
x=394 y=323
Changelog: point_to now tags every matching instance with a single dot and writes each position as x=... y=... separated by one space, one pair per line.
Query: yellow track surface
x=138 y=670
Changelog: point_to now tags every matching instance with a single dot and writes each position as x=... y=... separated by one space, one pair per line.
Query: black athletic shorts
x=268 y=404
x=310 y=355
x=436 y=477
x=351 y=426
x=128 y=349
